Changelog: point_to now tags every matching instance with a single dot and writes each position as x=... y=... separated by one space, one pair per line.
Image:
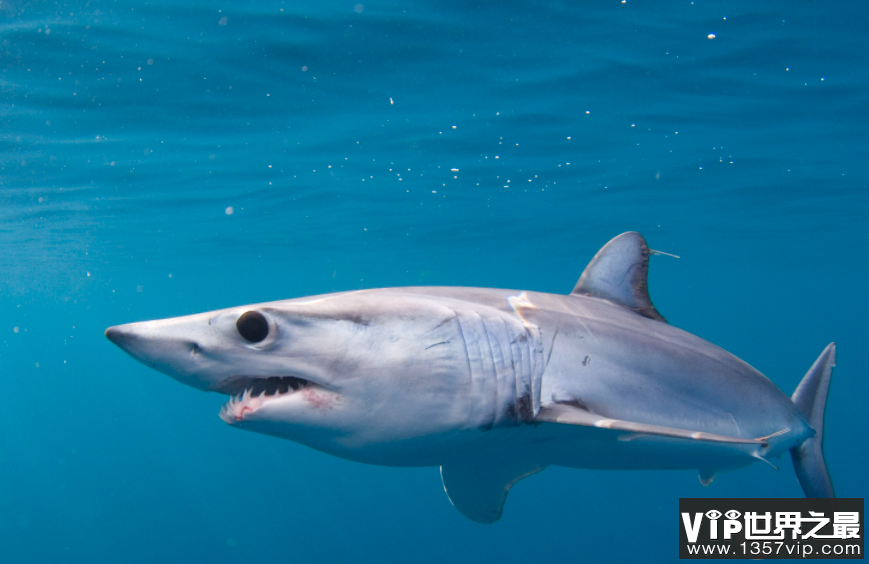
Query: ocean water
x=165 y=158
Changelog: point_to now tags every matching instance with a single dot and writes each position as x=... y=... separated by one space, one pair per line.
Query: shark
x=494 y=385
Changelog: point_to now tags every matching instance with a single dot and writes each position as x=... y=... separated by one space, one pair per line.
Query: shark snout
x=164 y=347
x=120 y=335
x=141 y=341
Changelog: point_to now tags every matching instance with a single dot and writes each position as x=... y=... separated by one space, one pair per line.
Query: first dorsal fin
x=618 y=273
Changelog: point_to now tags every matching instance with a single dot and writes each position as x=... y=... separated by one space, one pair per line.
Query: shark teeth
x=257 y=391
x=268 y=385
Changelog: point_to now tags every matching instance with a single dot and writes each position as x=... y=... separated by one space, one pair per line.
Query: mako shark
x=494 y=385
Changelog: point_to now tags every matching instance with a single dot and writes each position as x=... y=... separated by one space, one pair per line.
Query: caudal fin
x=811 y=397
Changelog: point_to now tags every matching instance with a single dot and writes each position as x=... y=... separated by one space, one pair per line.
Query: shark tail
x=811 y=398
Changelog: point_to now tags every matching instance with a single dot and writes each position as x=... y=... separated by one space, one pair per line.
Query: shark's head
x=337 y=372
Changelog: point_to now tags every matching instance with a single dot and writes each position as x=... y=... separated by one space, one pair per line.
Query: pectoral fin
x=478 y=488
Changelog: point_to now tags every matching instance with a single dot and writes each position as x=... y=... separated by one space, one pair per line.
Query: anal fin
x=706 y=476
x=478 y=488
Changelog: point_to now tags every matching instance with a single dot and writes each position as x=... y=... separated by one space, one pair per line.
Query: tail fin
x=811 y=397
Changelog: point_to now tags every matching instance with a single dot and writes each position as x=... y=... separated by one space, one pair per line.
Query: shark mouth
x=249 y=393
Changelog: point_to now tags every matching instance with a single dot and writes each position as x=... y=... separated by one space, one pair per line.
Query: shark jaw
x=250 y=393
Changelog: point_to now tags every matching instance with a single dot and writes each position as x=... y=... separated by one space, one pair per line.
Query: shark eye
x=252 y=326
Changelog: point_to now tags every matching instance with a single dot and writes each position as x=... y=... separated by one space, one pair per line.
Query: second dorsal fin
x=618 y=273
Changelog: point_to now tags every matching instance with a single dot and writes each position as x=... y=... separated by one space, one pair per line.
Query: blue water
x=127 y=130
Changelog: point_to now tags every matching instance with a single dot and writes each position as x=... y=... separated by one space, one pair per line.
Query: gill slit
x=494 y=365
x=470 y=370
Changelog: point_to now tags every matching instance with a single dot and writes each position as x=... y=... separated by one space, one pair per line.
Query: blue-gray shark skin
x=494 y=385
